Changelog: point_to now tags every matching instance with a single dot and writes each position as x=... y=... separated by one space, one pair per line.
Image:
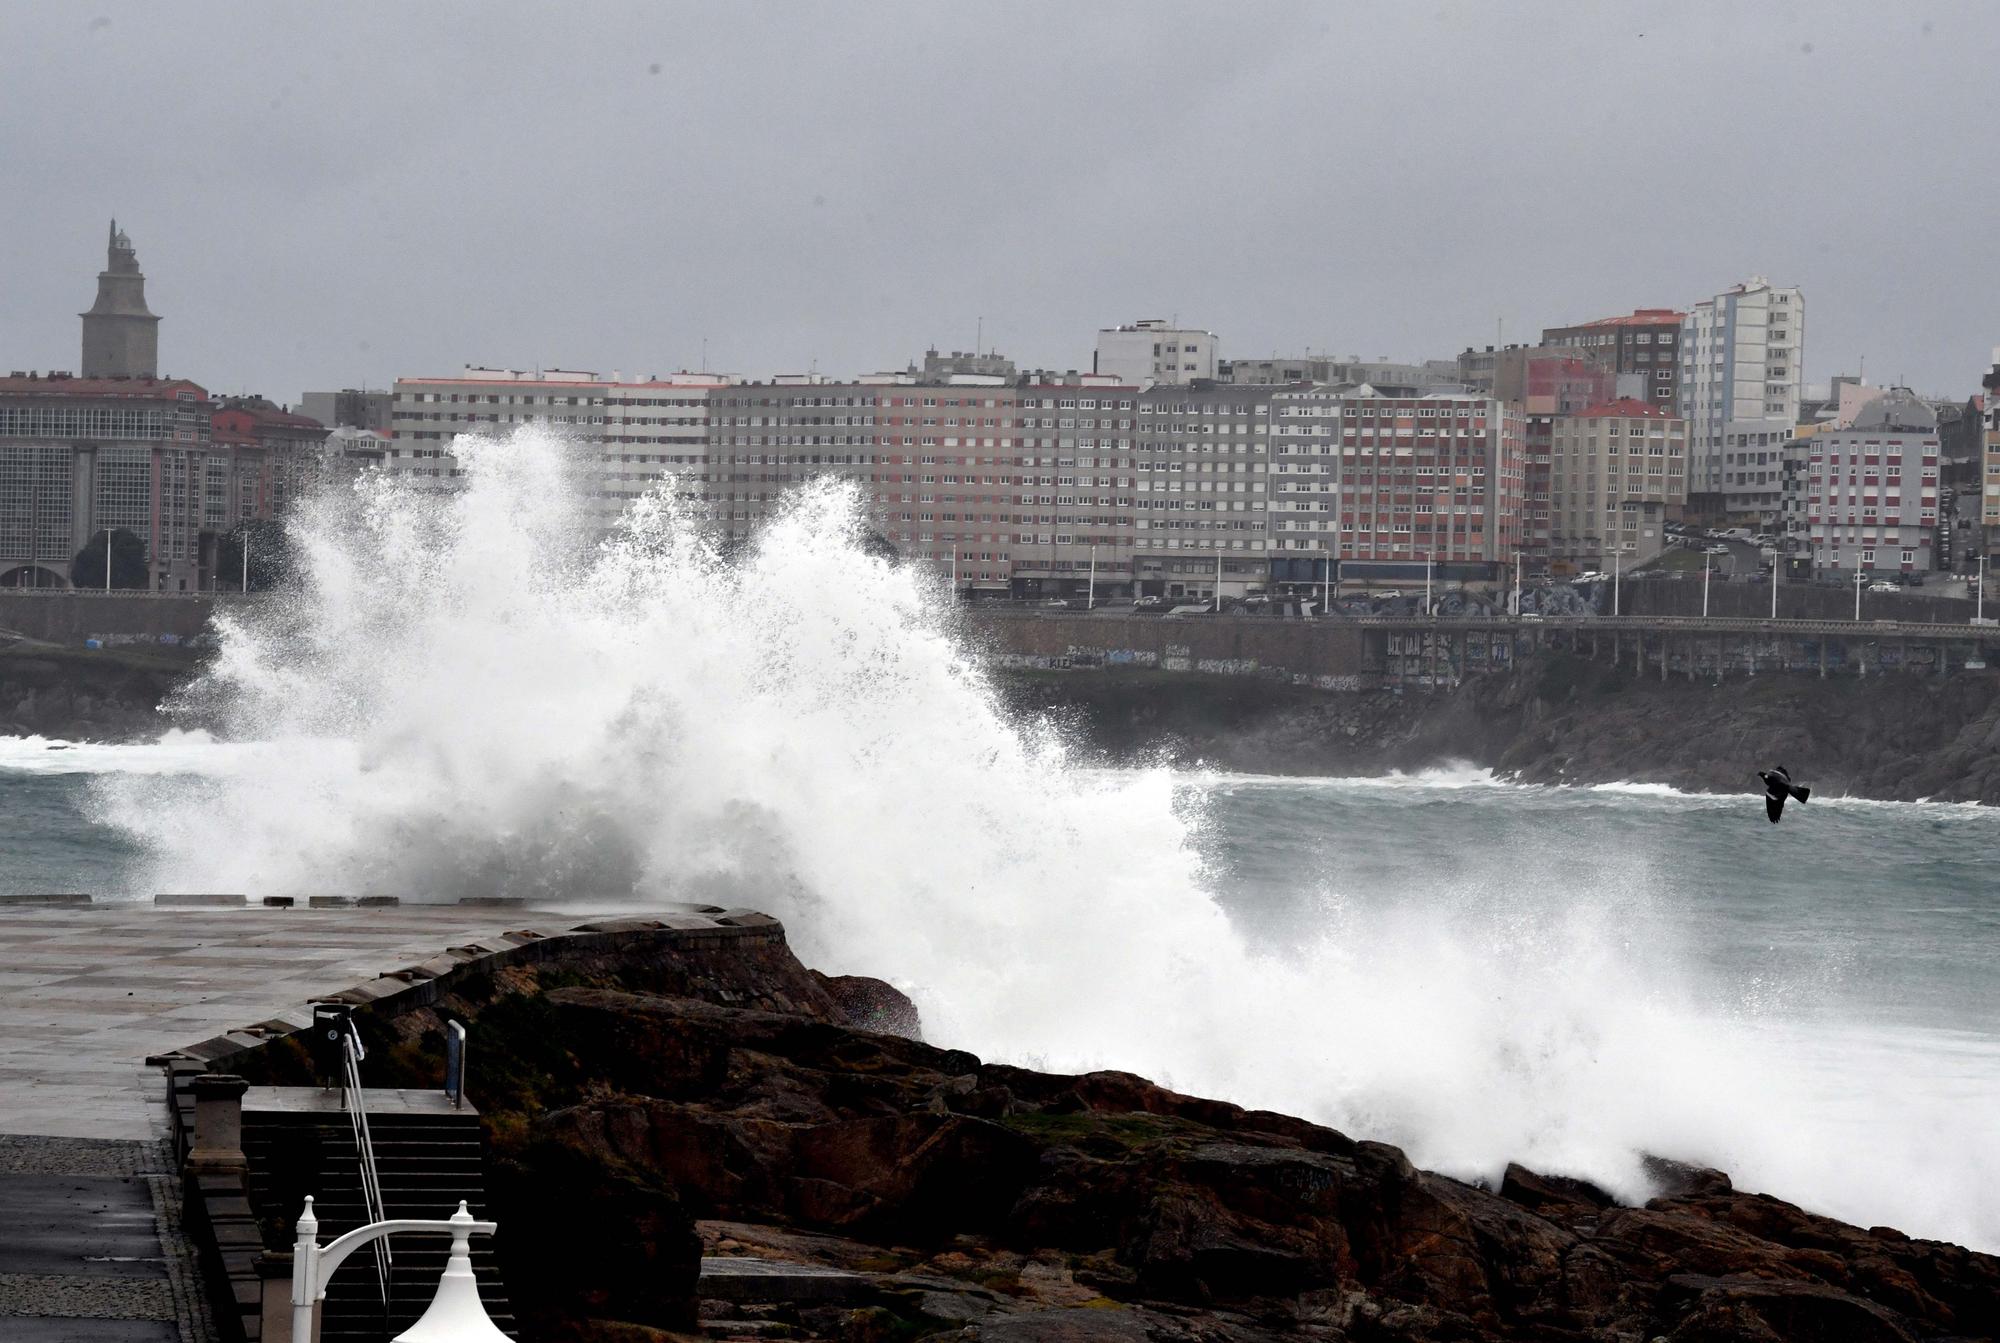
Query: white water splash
x=465 y=698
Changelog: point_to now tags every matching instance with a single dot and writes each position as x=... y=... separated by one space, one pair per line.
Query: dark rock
x=872 y=1005
x=739 y=1092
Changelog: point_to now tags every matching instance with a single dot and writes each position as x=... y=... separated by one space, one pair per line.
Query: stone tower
x=121 y=339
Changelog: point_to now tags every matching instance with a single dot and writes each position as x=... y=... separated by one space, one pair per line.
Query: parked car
x=1150 y=604
x=1715 y=550
x=1885 y=587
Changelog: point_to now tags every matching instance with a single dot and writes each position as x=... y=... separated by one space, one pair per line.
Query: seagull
x=1777 y=784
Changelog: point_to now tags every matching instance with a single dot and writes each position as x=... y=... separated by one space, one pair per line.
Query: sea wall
x=1556 y=718
x=1331 y=656
x=113 y=619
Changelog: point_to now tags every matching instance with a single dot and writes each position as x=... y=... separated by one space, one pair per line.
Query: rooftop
x=1641 y=317
x=1624 y=408
x=67 y=384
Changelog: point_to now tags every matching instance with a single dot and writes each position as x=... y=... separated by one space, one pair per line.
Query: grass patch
x=1126 y=1130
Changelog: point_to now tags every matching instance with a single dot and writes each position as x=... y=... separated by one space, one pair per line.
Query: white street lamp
x=456 y=1314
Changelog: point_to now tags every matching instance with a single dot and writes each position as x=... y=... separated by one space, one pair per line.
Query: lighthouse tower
x=121 y=339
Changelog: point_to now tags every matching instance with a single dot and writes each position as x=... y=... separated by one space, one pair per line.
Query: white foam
x=470 y=701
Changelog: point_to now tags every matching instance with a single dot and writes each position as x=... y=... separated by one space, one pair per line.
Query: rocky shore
x=737 y=1148
x=1559 y=719
x=79 y=694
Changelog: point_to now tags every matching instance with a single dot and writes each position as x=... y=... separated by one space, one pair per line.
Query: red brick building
x=1431 y=478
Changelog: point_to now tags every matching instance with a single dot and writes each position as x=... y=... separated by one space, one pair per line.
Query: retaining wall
x=115 y=618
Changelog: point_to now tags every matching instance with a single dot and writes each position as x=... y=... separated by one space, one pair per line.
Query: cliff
x=711 y=1139
x=80 y=694
x=1558 y=719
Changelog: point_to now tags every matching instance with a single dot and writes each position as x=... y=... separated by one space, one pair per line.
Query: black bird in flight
x=1777 y=785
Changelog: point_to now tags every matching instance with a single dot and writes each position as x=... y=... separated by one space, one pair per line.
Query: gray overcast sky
x=326 y=195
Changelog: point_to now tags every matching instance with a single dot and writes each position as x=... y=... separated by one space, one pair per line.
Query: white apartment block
x=1741 y=353
x=640 y=433
x=1872 y=490
x=1154 y=352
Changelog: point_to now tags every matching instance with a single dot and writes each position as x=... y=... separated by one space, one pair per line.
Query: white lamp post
x=456 y=1314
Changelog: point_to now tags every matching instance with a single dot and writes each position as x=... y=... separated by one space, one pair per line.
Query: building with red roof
x=1645 y=343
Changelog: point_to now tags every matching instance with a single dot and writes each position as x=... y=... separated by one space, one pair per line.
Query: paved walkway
x=90 y=1243
x=87 y=994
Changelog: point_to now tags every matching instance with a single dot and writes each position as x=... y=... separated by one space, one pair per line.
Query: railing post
x=218 y=1125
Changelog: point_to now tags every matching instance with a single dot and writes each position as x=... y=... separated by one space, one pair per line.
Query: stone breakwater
x=705 y=1133
x=1556 y=719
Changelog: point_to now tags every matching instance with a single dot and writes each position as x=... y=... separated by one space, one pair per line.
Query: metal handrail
x=364 y=1144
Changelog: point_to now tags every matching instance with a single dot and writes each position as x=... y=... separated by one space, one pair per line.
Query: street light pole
x=455 y=1315
x=1857 y=591
x=1615 y=557
x=1979 y=604
x=1090 y=593
x=1429 y=563
x=1706 y=564
x=1777 y=571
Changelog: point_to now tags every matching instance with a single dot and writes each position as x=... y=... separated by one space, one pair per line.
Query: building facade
x=1435 y=478
x=1154 y=351
x=634 y=435
x=1872 y=502
x=121 y=336
x=1646 y=344
x=1618 y=471
x=1741 y=354
x=262 y=459
x=79 y=455
x=1989 y=512
x=1201 y=504
x=351 y=407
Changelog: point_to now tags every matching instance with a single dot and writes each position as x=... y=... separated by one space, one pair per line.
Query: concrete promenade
x=90 y=1242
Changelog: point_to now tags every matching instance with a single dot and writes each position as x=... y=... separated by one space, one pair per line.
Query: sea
x=462 y=699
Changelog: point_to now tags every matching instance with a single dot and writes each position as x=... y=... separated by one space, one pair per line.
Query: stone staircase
x=299 y=1141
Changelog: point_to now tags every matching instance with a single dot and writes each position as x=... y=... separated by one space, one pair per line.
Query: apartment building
x=1989 y=499
x=1645 y=344
x=1155 y=351
x=1434 y=478
x=1872 y=493
x=1202 y=502
x=1076 y=497
x=638 y=433
x=78 y=455
x=262 y=458
x=1740 y=378
x=1618 y=471
x=940 y=465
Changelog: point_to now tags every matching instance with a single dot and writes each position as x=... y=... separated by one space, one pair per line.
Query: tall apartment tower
x=1739 y=393
x=121 y=337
